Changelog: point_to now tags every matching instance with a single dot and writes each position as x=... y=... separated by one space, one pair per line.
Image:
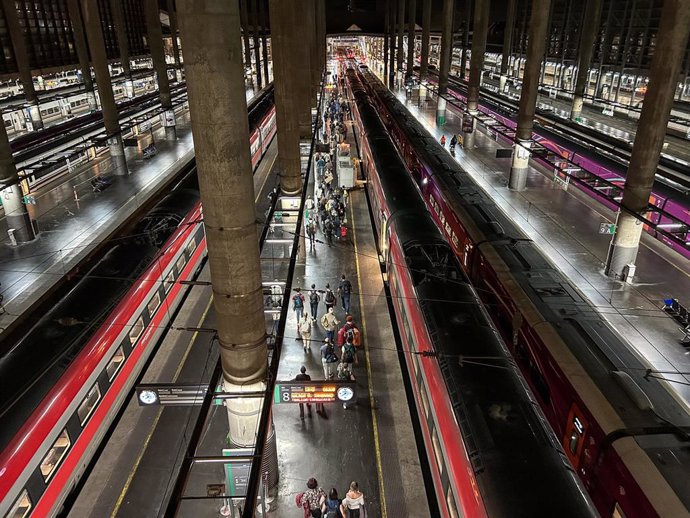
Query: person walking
x=320 y=166
x=314 y=300
x=443 y=140
x=304 y=328
x=303 y=376
x=331 y=507
x=345 y=290
x=329 y=298
x=353 y=502
x=351 y=331
x=315 y=497
x=330 y=323
x=311 y=233
x=328 y=359
x=349 y=354
x=298 y=304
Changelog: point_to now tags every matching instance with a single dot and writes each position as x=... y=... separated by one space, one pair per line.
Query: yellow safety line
x=121 y=498
x=377 y=446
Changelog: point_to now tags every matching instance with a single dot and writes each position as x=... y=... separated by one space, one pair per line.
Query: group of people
x=317 y=504
x=454 y=141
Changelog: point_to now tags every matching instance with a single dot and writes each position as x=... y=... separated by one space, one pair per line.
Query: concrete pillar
x=117 y=10
x=313 y=70
x=393 y=43
x=465 y=39
x=155 y=34
x=426 y=27
x=82 y=51
x=412 y=13
x=257 y=46
x=99 y=60
x=386 y=36
x=479 y=33
x=21 y=56
x=287 y=41
x=530 y=88
x=507 y=44
x=444 y=61
x=401 y=31
x=671 y=42
x=590 y=29
x=321 y=24
x=264 y=36
x=172 y=16
x=213 y=59
x=11 y=192
x=245 y=34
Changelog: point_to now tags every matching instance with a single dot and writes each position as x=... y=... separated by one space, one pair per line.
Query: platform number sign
x=607 y=228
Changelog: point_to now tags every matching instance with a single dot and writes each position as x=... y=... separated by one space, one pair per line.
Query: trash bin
x=628 y=273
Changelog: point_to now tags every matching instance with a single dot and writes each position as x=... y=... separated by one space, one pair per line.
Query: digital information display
x=316 y=391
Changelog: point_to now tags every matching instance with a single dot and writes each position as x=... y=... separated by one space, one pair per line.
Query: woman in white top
x=353 y=502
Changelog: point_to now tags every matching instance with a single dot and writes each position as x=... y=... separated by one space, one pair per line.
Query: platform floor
x=565 y=225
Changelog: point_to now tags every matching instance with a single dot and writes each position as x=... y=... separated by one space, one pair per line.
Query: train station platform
x=372 y=441
x=565 y=223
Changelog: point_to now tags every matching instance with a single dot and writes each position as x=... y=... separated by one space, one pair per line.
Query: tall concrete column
x=528 y=96
x=465 y=39
x=12 y=196
x=172 y=16
x=321 y=25
x=386 y=35
x=82 y=52
x=444 y=61
x=393 y=44
x=590 y=29
x=264 y=36
x=257 y=46
x=287 y=42
x=117 y=9
x=426 y=27
x=99 y=60
x=313 y=70
x=213 y=58
x=412 y=13
x=21 y=56
x=479 y=32
x=401 y=32
x=507 y=44
x=244 y=19
x=155 y=33
x=671 y=42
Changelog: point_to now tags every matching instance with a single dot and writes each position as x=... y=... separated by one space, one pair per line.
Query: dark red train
x=491 y=452
x=624 y=432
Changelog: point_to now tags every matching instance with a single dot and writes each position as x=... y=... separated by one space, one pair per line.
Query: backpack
x=348 y=353
x=313 y=296
x=297 y=300
x=347 y=286
x=330 y=298
x=332 y=510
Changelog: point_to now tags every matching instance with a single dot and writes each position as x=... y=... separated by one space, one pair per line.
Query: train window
x=618 y=512
x=89 y=404
x=22 y=506
x=136 y=330
x=191 y=247
x=169 y=281
x=55 y=455
x=115 y=363
x=437 y=451
x=425 y=401
x=180 y=264
x=454 y=239
x=450 y=502
x=154 y=303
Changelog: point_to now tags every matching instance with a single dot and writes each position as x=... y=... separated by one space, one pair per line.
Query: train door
x=574 y=436
x=18 y=120
x=383 y=238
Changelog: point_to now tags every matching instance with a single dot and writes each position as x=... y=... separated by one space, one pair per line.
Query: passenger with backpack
x=331 y=507
x=349 y=332
x=329 y=298
x=328 y=359
x=345 y=291
x=314 y=300
x=349 y=355
x=311 y=233
x=298 y=304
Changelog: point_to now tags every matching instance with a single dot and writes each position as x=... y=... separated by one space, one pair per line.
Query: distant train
x=490 y=450
x=624 y=433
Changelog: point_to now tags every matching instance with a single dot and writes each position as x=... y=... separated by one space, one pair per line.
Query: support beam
x=465 y=38
x=507 y=44
x=21 y=56
x=444 y=61
x=479 y=33
x=264 y=37
x=244 y=19
x=386 y=34
x=536 y=46
x=590 y=29
x=401 y=32
x=172 y=16
x=213 y=58
x=117 y=10
x=288 y=49
x=257 y=46
x=82 y=52
x=16 y=215
x=321 y=21
x=411 y=21
x=155 y=33
x=312 y=70
x=426 y=27
x=671 y=42
x=99 y=60
x=393 y=39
